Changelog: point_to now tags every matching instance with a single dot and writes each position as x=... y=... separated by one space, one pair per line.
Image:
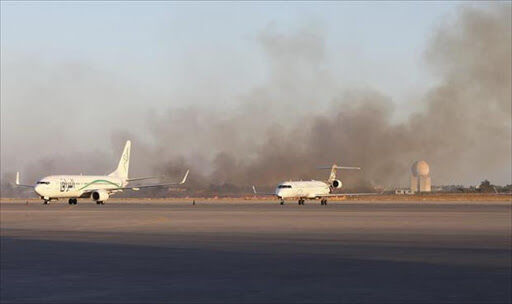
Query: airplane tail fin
x=333 y=168
x=124 y=162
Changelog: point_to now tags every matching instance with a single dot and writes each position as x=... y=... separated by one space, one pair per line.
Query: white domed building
x=420 y=178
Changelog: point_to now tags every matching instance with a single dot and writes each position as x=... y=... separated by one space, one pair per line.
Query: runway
x=256 y=252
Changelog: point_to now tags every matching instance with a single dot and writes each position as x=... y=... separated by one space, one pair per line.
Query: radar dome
x=420 y=168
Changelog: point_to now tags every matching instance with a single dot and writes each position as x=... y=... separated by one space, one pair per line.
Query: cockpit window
x=43 y=183
x=284 y=186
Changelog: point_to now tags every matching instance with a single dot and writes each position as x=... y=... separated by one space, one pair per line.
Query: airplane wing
x=254 y=190
x=346 y=194
x=140 y=178
x=137 y=188
x=21 y=185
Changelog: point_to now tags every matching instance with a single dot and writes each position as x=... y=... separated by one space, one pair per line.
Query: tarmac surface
x=256 y=252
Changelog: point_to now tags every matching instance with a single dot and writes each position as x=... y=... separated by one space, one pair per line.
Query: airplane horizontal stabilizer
x=340 y=167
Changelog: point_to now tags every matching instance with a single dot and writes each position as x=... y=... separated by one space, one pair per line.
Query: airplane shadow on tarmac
x=66 y=272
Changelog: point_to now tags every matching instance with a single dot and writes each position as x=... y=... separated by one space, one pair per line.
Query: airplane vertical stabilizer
x=332 y=176
x=124 y=163
x=333 y=168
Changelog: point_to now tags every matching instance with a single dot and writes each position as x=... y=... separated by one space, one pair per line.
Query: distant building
x=403 y=191
x=420 y=178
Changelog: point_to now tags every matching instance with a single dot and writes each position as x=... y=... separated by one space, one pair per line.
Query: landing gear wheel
x=99 y=203
x=301 y=202
x=45 y=202
x=281 y=203
x=73 y=201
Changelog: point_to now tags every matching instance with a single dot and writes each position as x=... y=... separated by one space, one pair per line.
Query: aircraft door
x=71 y=185
x=63 y=185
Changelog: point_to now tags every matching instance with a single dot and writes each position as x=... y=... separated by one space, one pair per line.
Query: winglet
x=184 y=178
x=17 y=182
x=254 y=189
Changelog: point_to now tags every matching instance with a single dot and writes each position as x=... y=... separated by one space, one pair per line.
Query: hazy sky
x=180 y=45
x=75 y=73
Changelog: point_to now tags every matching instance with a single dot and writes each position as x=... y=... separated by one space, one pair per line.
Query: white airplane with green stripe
x=97 y=187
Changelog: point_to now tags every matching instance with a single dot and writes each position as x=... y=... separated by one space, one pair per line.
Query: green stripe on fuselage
x=102 y=181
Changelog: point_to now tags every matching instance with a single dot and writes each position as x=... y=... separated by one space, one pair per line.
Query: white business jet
x=97 y=187
x=312 y=189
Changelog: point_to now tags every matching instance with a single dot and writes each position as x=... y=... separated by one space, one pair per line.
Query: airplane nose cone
x=39 y=190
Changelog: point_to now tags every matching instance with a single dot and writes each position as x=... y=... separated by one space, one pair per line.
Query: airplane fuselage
x=302 y=189
x=74 y=186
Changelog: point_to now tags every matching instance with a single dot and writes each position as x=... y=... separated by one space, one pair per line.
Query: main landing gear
x=100 y=203
x=301 y=201
x=323 y=202
x=282 y=202
x=73 y=201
